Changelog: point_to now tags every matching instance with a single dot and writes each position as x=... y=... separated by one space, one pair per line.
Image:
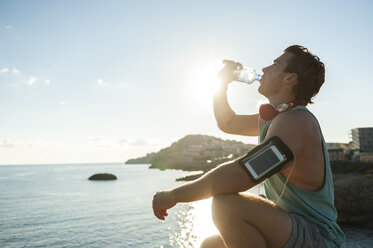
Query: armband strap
x=266 y=159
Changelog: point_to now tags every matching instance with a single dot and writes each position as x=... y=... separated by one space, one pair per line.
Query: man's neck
x=279 y=99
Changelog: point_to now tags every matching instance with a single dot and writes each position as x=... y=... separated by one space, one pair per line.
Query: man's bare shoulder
x=296 y=128
x=295 y=122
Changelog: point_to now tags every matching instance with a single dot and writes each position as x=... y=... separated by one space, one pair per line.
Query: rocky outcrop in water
x=102 y=177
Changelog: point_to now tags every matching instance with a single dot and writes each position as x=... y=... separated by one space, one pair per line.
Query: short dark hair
x=310 y=71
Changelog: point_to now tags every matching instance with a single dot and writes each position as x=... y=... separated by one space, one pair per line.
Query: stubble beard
x=270 y=89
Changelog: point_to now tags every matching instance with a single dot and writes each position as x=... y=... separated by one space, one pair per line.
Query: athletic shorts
x=304 y=234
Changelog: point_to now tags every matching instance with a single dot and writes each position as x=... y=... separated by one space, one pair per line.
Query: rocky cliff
x=194 y=153
x=353 y=189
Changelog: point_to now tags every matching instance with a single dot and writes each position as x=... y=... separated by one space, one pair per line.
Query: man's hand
x=162 y=201
x=226 y=74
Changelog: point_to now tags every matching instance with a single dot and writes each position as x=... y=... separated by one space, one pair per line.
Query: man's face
x=272 y=79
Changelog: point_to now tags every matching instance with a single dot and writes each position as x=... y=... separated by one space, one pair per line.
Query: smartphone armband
x=266 y=159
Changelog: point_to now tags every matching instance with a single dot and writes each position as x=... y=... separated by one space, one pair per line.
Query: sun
x=205 y=84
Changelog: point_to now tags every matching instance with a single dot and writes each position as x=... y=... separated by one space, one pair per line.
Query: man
x=299 y=209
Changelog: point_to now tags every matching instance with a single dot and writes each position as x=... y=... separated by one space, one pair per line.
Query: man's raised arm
x=227 y=120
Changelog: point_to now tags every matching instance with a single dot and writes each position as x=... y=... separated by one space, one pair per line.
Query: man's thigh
x=273 y=223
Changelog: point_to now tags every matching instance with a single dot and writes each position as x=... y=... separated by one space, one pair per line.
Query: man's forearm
x=227 y=178
x=222 y=111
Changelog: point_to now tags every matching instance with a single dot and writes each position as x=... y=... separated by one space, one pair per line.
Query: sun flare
x=205 y=84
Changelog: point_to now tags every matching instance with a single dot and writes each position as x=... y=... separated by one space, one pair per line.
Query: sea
x=55 y=205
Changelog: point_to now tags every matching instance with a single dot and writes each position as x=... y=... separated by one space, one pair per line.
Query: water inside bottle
x=245 y=75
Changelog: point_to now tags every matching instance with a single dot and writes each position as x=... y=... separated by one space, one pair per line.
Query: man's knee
x=230 y=208
x=213 y=242
x=222 y=209
x=206 y=244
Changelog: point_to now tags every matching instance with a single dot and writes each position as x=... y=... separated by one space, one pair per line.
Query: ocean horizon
x=55 y=205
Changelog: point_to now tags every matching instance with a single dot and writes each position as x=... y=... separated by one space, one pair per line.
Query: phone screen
x=264 y=161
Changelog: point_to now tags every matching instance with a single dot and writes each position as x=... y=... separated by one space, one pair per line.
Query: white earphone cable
x=283 y=189
x=291 y=171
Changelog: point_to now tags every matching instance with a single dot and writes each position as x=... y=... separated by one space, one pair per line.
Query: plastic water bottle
x=246 y=75
x=240 y=73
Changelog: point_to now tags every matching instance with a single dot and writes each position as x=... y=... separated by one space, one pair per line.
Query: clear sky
x=104 y=81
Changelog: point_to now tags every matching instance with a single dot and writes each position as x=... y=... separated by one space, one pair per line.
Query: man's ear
x=291 y=78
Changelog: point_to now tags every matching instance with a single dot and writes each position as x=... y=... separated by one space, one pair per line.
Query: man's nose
x=264 y=69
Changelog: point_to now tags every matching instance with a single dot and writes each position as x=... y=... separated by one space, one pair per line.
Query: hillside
x=193 y=153
x=147 y=159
